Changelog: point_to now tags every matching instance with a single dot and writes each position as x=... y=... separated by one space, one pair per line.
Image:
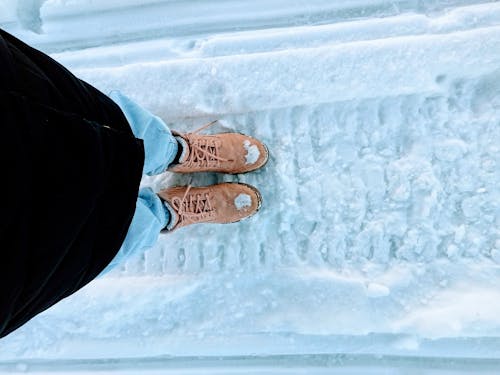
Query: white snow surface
x=242 y=201
x=379 y=233
x=252 y=154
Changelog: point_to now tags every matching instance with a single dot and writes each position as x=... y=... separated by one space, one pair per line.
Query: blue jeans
x=160 y=148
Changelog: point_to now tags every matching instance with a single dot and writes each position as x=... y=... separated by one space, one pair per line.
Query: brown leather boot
x=221 y=203
x=224 y=152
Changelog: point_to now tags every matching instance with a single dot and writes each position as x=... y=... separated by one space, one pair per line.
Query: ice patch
x=242 y=201
x=252 y=152
x=374 y=290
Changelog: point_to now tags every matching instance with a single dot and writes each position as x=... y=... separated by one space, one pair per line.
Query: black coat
x=71 y=170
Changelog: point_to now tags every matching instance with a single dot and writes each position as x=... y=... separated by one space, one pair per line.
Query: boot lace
x=193 y=208
x=204 y=151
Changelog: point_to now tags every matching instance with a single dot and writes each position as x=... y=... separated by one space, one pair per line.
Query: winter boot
x=224 y=152
x=221 y=203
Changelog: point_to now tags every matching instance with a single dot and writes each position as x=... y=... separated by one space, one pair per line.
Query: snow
x=377 y=247
x=242 y=201
x=374 y=290
x=27 y=13
x=252 y=154
x=7 y=10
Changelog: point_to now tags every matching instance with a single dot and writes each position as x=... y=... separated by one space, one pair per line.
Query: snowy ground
x=378 y=246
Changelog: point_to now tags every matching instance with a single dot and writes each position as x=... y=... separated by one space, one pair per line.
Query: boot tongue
x=185 y=150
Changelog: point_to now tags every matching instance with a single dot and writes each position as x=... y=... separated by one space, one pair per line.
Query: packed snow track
x=379 y=235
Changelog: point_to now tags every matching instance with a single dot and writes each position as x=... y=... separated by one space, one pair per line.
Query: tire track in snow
x=394 y=179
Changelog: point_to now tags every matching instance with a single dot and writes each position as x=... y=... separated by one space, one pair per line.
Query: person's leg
x=160 y=145
x=149 y=219
x=160 y=149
